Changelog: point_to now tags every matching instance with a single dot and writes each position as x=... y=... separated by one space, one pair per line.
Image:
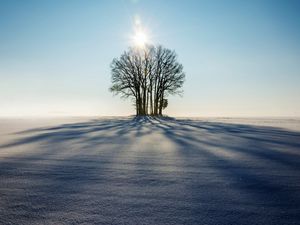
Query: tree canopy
x=148 y=76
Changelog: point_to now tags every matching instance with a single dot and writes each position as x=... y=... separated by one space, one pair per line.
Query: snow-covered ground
x=150 y=171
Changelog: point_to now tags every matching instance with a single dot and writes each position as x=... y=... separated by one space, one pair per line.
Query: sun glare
x=140 y=38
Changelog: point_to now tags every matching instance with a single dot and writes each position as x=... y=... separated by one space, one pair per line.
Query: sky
x=241 y=58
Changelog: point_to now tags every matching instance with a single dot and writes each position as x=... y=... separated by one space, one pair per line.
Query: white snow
x=125 y=170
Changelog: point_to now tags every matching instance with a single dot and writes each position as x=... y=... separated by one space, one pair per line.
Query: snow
x=126 y=170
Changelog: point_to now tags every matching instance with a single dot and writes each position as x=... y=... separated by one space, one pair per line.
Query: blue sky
x=241 y=58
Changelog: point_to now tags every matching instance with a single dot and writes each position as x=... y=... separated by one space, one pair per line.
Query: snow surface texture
x=148 y=171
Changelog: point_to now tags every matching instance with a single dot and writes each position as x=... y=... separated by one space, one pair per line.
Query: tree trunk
x=140 y=104
x=161 y=103
x=151 y=101
x=137 y=105
x=147 y=103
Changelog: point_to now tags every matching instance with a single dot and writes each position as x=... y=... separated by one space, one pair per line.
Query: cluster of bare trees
x=147 y=76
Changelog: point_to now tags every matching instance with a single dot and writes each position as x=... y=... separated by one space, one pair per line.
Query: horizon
x=241 y=59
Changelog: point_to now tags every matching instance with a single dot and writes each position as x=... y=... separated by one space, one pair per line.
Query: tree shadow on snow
x=220 y=173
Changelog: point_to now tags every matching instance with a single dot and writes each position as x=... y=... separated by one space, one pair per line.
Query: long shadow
x=55 y=182
x=275 y=194
x=255 y=140
x=228 y=174
x=71 y=131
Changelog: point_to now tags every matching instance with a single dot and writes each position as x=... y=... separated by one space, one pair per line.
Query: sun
x=140 y=38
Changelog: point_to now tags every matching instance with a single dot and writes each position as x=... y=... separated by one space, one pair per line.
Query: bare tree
x=147 y=76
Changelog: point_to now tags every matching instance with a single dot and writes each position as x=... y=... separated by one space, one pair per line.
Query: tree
x=147 y=76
